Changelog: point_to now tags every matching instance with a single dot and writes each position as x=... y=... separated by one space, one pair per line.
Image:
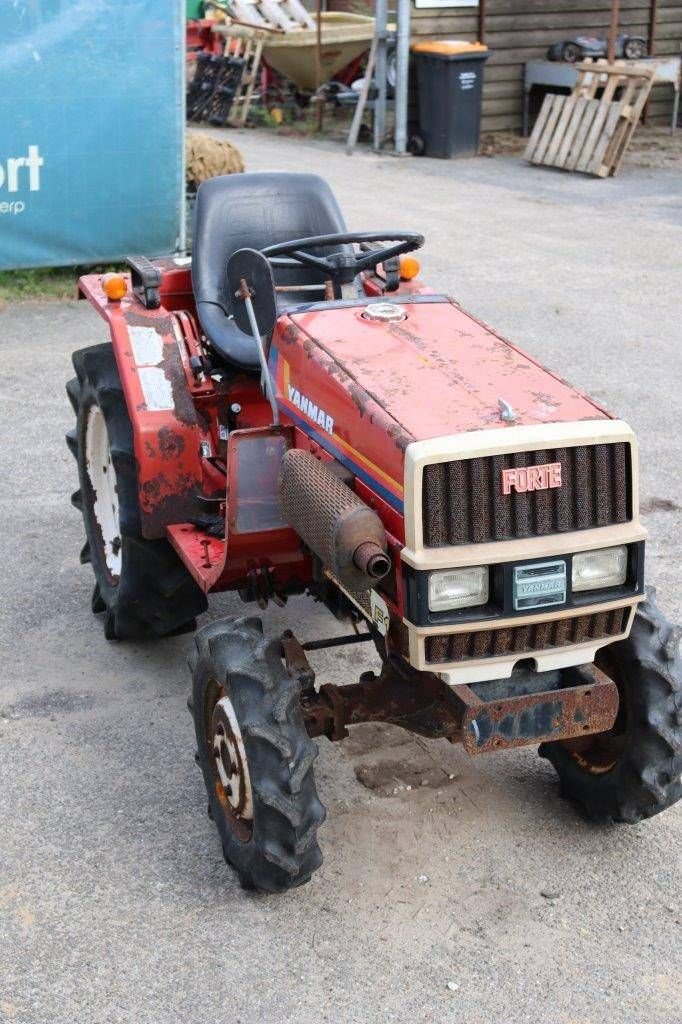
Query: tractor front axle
x=529 y=707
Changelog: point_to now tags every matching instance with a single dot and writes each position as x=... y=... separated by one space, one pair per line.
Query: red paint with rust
x=439 y=371
x=349 y=389
x=172 y=473
x=166 y=441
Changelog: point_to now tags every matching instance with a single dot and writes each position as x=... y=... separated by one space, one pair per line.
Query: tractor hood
x=439 y=371
x=364 y=390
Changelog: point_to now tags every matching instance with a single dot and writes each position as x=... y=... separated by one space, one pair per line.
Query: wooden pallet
x=584 y=133
x=246 y=43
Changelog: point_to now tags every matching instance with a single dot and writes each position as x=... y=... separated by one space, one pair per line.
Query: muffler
x=336 y=525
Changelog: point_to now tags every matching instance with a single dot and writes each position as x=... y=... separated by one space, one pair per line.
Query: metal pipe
x=337 y=641
x=380 y=14
x=402 y=70
x=369 y=557
x=318 y=43
x=265 y=378
x=613 y=30
x=482 y=14
x=653 y=18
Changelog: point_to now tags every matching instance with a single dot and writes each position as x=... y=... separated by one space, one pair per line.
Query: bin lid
x=448 y=47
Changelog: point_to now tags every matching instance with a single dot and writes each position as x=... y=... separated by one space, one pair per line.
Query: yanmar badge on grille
x=531 y=478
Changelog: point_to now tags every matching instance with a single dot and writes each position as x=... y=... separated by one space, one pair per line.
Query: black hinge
x=146 y=279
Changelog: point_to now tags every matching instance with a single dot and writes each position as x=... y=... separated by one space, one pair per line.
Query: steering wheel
x=342 y=267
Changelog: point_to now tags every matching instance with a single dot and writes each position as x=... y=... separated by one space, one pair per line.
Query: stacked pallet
x=589 y=133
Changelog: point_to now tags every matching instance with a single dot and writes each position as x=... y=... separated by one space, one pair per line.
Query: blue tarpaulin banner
x=91 y=130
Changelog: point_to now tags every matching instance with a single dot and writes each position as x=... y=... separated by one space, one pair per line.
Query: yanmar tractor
x=296 y=413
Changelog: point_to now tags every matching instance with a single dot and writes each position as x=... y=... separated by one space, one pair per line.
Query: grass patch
x=45 y=282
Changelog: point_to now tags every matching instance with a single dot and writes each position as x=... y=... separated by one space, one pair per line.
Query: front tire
x=141 y=586
x=255 y=755
x=571 y=53
x=635 y=770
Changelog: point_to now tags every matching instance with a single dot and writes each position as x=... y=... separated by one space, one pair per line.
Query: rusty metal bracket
x=298 y=666
x=417 y=701
x=422 y=703
x=590 y=707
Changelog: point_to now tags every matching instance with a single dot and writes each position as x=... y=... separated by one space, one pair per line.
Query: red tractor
x=296 y=412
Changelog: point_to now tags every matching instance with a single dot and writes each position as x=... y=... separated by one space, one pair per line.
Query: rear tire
x=634 y=49
x=635 y=771
x=141 y=586
x=255 y=755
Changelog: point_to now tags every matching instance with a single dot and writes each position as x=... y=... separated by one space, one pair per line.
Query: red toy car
x=298 y=413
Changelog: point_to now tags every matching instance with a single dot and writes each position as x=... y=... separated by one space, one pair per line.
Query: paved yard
x=115 y=903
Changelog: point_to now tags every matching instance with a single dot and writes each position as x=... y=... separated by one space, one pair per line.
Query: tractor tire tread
x=283 y=850
x=73 y=391
x=154 y=596
x=647 y=777
x=72 y=442
x=284 y=702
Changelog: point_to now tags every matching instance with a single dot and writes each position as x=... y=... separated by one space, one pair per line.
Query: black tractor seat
x=253 y=211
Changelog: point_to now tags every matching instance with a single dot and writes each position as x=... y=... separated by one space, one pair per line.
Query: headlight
x=596 y=570
x=458 y=588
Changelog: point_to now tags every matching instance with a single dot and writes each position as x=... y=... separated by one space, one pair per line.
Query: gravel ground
x=115 y=903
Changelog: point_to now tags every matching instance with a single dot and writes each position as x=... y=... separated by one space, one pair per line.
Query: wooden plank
x=566 y=139
x=538 y=128
x=612 y=148
x=503 y=73
x=595 y=133
x=500 y=123
x=633 y=121
x=504 y=89
x=625 y=70
x=428 y=21
x=563 y=128
x=521 y=36
x=591 y=108
x=564 y=21
x=600 y=148
x=516 y=7
x=552 y=118
x=502 y=105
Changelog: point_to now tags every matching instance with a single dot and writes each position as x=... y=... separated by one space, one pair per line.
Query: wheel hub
x=233 y=784
x=102 y=477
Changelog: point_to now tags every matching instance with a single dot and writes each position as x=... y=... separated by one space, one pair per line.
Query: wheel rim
x=102 y=478
x=230 y=768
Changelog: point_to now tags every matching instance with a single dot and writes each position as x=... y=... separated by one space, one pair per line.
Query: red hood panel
x=441 y=372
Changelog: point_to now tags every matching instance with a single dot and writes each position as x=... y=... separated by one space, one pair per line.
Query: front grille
x=463 y=501
x=527 y=639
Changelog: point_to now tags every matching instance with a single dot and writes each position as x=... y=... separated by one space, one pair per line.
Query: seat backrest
x=251 y=211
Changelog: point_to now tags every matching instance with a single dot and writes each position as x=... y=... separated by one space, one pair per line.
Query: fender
x=167 y=431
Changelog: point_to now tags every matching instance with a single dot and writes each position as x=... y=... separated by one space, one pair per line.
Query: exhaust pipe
x=371 y=559
x=336 y=525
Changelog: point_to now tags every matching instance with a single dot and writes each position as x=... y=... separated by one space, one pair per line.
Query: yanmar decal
x=309 y=409
x=327 y=436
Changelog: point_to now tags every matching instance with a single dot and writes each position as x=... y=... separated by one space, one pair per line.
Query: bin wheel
x=416 y=145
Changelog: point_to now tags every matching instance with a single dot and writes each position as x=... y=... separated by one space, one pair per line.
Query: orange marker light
x=114 y=287
x=409 y=267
